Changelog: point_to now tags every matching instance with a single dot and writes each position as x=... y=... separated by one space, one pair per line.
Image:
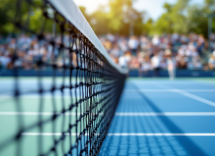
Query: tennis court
x=162 y=117
x=42 y=120
x=154 y=117
x=31 y=114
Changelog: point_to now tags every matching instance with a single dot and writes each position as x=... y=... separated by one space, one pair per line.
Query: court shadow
x=140 y=145
x=185 y=142
x=119 y=145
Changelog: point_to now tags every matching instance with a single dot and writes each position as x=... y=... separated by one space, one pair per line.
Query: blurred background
x=150 y=38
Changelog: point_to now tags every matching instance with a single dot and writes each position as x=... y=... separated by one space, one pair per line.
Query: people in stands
x=133 y=44
x=115 y=52
x=156 y=40
x=156 y=64
x=125 y=59
x=170 y=64
x=211 y=62
x=145 y=65
x=188 y=51
x=4 y=60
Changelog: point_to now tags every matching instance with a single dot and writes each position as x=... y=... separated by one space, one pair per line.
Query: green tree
x=121 y=13
x=174 y=18
x=197 y=17
x=115 y=17
x=7 y=14
x=148 y=26
x=164 y=24
x=183 y=17
x=99 y=21
x=30 y=17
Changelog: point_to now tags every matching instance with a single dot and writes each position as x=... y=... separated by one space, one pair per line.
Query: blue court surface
x=159 y=117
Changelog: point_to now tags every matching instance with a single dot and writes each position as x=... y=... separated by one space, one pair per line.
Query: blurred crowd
x=30 y=50
x=154 y=53
x=144 y=53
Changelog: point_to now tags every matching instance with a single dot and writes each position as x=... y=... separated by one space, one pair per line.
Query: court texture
x=158 y=117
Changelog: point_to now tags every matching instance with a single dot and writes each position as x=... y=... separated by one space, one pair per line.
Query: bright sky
x=153 y=7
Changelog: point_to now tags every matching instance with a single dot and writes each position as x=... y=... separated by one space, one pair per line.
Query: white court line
x=116 y=114
x=55 y=134
x=38 y=96
x=35 y=113
x=192 y=96
x=42 y=113
x=170 y=90
x=124 y=134
x=161 y=134
x=168 y=114
x=5 y=97
x=49 y=134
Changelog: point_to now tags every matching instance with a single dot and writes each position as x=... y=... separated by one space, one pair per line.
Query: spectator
x=170 y=64
x=133 y=44
x=156 y=64
x=197 y=64
x=115 y=52
x=108 y=45
x=125 y=59
x=4 y=60
x=163 y=64
x=123 y=44
x=214 y=53
x=181 y=62
x=156 y=40
x=211 y=62
x=144 y=43
x=145 y=65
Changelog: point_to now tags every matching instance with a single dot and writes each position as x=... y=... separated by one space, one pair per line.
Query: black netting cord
x=94 y=87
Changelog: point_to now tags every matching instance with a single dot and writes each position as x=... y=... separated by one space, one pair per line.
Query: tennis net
x=70 y=112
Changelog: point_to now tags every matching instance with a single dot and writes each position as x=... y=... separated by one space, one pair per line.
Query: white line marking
x=47 y=134
x=170 y=90
x=192 y=96
x=125 y=134
x=37 y=96
x=34 y=113
x=168 y=114
x=2 y=98
x=116 y=114
x=161 y=134
x=41 y=113
x=53 y=134
x=5 y=96
x=11 y=97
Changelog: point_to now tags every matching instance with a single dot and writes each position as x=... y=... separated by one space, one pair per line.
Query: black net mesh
x=69 y=113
